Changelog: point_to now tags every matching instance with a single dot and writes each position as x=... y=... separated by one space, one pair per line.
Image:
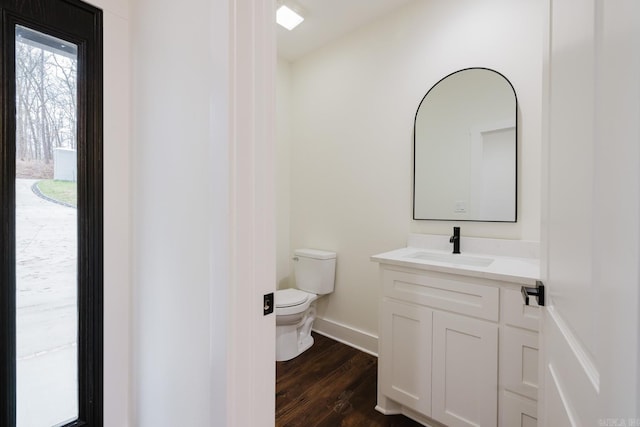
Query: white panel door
x=590 y=239
x=465 y=371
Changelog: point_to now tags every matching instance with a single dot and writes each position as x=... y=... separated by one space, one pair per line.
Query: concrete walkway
x=46 y=283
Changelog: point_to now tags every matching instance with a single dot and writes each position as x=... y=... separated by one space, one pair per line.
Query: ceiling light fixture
x=288 y=18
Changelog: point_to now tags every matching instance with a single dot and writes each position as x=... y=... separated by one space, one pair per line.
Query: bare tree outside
x=46 y=102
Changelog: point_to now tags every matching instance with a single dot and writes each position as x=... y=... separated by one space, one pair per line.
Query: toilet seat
x=292 y=301
x=290 y=297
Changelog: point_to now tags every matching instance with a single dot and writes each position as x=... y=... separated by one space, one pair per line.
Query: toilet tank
x=315 y=270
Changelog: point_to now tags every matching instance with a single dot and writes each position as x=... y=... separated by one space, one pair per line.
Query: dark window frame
x=81 y=24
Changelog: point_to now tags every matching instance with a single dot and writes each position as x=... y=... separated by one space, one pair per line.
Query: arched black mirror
x=465 y=149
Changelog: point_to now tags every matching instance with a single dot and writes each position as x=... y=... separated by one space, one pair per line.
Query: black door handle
x=537 y=292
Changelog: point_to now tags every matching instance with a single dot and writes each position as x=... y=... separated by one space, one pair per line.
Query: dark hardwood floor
x=330 y=385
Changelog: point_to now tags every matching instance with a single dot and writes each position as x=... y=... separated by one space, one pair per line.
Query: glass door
x=46 y=229
x=51 y=267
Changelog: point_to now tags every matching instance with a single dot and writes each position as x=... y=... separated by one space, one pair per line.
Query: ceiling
x=327 y=20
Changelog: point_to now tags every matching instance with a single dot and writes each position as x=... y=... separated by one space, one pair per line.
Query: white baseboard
x=348 y=335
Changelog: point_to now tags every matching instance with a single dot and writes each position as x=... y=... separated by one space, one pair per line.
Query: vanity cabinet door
x=465 y=371
x=519 y=361
x=518 y=411
x=405 y=354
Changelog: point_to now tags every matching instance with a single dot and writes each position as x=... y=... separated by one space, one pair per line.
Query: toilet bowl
x=295 y=313
x=295 y=310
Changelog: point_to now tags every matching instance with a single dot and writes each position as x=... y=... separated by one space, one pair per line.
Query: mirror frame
x=515 y=96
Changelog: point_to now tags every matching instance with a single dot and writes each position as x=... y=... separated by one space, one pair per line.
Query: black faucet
x=455 y=239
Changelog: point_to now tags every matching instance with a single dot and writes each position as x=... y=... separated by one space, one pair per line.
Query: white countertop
x=504 y=268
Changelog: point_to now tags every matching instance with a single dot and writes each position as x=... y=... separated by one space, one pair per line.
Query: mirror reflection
x=465 y=139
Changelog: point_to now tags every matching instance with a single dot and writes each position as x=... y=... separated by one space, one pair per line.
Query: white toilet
x=315 y=273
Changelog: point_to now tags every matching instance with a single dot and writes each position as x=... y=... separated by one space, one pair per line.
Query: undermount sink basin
x=456 y=259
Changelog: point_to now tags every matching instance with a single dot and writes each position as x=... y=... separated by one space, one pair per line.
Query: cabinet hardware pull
x=538 y=292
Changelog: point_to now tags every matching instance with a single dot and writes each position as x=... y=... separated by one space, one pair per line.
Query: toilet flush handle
x=295 y=258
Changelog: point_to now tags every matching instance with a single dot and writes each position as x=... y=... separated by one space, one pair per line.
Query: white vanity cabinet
x=518 y=361
x=456 y=349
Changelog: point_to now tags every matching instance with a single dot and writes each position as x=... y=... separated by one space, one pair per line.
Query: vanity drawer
x=516 y=313
x=443 y=291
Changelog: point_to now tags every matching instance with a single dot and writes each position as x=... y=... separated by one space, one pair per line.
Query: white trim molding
x=360 y=340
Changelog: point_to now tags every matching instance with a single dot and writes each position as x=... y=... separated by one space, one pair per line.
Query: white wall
x=353 y=104
x=283 y=172
x=117 y=212
x=171 y=211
